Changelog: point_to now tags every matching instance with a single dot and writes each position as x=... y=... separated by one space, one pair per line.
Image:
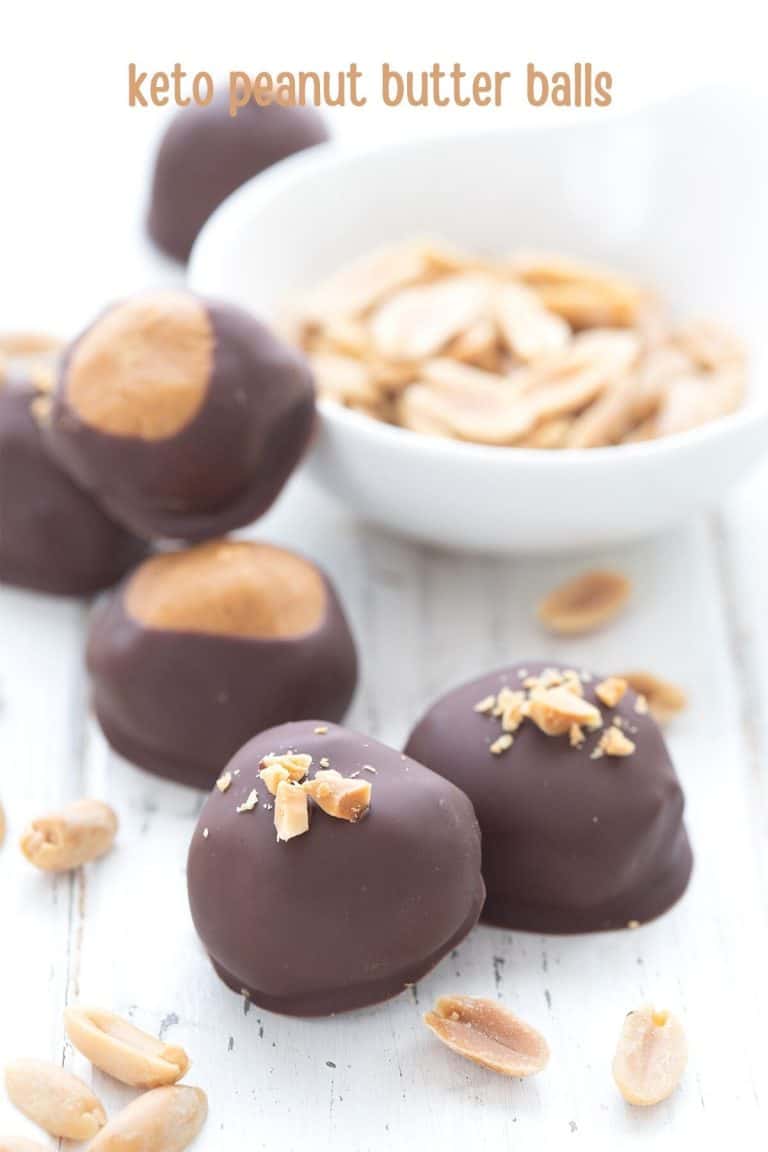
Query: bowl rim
x=227 y=221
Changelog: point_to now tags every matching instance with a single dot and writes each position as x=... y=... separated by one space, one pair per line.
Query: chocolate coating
x=345 y=915
x=570 y=843
x=228 y=462
x=53 y=536
x=206 y=154
x=179 y=703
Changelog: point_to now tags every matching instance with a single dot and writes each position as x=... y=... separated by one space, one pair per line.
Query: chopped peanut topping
x=486 y=705
x=346 y=799
x=272 y=775
x=488 y=1034
x=611 y=691
x=576 y=736
x=291 y=810
x=613 y=742
x=555 y=710
x=224 y=781
x=509 y=706
x=249 y=804
x=296 y=764
x=501 y=745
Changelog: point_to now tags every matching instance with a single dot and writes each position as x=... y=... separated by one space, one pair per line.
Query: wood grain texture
x=119 y=934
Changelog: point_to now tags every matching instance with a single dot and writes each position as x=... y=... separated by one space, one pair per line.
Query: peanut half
x=123 y=1051
x=55 y=1099
x=585 y=603
x=488 y=1034
x=64 y=840
x=650 y=1057
x=663 y=698
x=163 y=1120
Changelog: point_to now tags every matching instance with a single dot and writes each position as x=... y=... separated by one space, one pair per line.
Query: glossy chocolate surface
x=226 y=466
x=570 y=843
x=180 y=703
x=346 y=914
x=206 y=154
x=53 y=536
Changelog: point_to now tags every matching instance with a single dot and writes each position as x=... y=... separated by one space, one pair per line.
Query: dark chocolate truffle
x=200 y=649
x=53 y=536
x=206 y=154
x=350 y=912
x=185 y=417
x=582 y=829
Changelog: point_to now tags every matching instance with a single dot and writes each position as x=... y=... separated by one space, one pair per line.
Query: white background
x=73 y=179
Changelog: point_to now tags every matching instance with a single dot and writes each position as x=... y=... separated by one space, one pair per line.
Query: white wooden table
x=119 y=934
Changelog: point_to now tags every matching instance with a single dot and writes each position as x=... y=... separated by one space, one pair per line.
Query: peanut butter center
x=143 y=369
x=228 y=588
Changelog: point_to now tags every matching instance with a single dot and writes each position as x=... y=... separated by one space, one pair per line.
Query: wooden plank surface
x=119 y=932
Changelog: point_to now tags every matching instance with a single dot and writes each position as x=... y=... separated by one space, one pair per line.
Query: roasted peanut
x=340 y=796
x=663 y=698
x=54 y=1099
x=585 y=603
x=291 y=810
x=650 y=1057
x=163 y=1120
x=123 y=1051
x=67 y=839
x=488 y=1034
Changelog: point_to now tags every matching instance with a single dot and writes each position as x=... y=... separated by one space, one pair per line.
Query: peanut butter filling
x=143 y=369
x=228 y=588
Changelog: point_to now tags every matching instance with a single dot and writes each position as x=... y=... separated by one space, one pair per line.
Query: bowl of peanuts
x=528 y=341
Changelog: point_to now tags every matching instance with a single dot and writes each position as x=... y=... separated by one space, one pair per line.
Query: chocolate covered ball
x=310 y=903
x=579 y=805
x=200 y=649
x=53 y=536
x=185 y=416
x=206 y=154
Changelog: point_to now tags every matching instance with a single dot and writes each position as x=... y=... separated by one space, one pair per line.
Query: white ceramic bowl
x=671 y=195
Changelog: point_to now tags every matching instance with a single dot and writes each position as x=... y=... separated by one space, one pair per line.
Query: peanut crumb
x=296 y=764
x=502 y=744
x=633 y=924
x=486 y=705
x=641 y=705
x=576 y=736
x=321 y=730
x=249 y=804
x=613 y=742
x=324 y=762
x=611 y=690
x=224 y=781
x=291 y=810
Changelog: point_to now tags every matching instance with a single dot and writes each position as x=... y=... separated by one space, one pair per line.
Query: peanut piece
x=296 y=764
x=344 y=798
x=585 y=603
x=611 y=691
x=556 y=710
x=650 y=1057
x=67 y=839
x=291 y=810
x=123 y=1051
x=163 y=1120
x=488 y=1034
x=613 y=742
x=54 y=1099
x=418 y=322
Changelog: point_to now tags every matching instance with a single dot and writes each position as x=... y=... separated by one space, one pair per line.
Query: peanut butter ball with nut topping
x=343 y=886
x=201 y=648
x=578 y=801
x=185 y=417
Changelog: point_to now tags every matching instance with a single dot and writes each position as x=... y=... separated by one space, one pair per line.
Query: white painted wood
x=119 y=933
